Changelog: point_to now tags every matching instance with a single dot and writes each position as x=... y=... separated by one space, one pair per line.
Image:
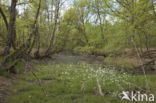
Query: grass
x=63 y=82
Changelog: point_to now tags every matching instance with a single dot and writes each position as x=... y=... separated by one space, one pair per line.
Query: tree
x=11 y=37
x=56 y=17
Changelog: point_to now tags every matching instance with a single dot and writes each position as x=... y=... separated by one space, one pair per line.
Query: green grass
x=5 y=74
x=62 y=82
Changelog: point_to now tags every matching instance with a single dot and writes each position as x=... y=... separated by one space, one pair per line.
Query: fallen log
x=99 y=89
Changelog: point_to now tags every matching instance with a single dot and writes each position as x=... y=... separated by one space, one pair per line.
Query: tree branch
x=39 y=82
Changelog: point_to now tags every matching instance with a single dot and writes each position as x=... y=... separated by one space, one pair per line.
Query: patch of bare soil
x=4 y=85
x=148 y=59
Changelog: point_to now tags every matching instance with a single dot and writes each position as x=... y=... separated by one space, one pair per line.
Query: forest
x=77 y=51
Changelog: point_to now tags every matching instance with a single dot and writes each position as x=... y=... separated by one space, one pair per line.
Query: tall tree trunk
x=11 y=28
x=54 y=28
x=99 y=17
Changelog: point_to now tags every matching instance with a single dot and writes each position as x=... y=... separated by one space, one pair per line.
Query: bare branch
x=39 y=82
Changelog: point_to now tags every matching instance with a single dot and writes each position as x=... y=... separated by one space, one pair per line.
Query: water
x=74 y=59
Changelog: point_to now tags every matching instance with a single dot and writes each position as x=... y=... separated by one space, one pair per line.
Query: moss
x=19 y=67
x=5 y=74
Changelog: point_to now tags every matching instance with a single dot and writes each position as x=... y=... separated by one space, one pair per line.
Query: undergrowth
x=62 y=83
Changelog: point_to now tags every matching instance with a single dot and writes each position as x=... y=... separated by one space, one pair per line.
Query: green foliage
x=83 y=49
x=118 y=29
x=81 y=27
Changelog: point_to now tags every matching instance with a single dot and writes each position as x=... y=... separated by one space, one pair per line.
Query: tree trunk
x=4 y=18
x=34 y=26
x=20 y=53
x=54 y=28
x=11 y=29
x=99 y=16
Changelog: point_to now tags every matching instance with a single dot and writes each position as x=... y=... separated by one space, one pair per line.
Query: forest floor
x=72 y=79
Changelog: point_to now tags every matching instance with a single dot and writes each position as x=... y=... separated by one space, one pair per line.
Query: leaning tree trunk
x=34 y=40
x=27 y=44
x=37 y=53
x=4 y=18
